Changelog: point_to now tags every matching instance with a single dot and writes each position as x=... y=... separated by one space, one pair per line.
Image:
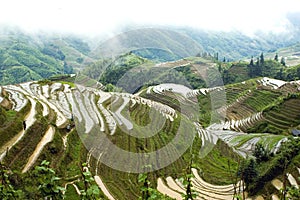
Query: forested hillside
x=25 y=57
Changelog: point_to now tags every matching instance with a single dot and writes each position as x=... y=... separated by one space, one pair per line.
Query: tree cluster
x=261 y=67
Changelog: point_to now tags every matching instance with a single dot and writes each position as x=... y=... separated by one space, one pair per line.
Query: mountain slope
x=177 y=44
x=21 y=60
x=25 y=57
x=235 y=45
x=99 y=116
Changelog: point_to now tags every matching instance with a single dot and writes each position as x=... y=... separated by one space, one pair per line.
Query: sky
x=98 y=16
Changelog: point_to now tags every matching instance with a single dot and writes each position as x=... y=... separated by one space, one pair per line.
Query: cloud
x=95 y=16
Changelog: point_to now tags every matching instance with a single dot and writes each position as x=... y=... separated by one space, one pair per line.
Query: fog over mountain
x=94 y=17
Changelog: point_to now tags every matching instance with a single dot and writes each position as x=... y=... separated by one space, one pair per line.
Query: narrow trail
x=97 y=178
x=30 y=119
x=48 y=137
x=77 y=189
x=65 y=139
x=103 y=188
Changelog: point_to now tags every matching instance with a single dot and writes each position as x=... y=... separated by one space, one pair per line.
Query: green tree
x=187 y=182
x=48 y=182
x=68 y=69
x=251 y=68
x=7 y=190
x=248 y=172
x=293 y=193
x=256 y=70
x=261 y=153
x=147 y=192
x=282 y=61
x=262 y=59
x=276 y=57
x=91 y=189
x=217 y=56
x=251 y=61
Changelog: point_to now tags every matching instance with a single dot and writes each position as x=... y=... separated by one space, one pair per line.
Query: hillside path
x=30 y=119
x=48 y=137
x=103 y=188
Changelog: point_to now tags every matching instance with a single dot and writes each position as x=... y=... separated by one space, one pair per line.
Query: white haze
x=98 y=16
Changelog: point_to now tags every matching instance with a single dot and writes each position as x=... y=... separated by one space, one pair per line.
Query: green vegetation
x=147 y=192
x=91 y=190
x=119 y=67
x=43 y=182
x=275 y=166
x=219 y=165
x=242 y=71
x=9 y=118
x=236 y=45
x=70 y=165
x=281 y=117
x=47 y=181
x=25 y=147
x=22 y=62
x=7 y=189
x=157 y=55
x=193 y=79
x=25 y=57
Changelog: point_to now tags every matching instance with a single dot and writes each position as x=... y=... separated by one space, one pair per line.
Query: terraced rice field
x=85 y=105
x=285 y=116
x=145 y=123
x=175 y=189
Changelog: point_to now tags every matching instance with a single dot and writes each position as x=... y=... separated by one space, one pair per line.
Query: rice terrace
x=151 y=112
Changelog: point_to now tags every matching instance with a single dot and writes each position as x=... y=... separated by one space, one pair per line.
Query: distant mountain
x=177 y=45
x=25 y=57
x=171 y=43
x=235 y=45
x=291 y=54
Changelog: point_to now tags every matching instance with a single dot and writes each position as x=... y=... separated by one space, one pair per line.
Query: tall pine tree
x=262 y=60
x=283 y=61
x=276 y=57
